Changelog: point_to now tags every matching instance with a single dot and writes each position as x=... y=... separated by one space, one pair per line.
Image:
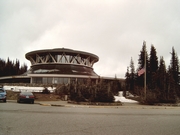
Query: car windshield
x=1 y=90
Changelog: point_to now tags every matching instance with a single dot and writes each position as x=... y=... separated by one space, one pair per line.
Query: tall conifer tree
x=141 y=61
x=174 y=71
x=153 y=67
x=161 y=81
x=132 y=75
x=127 y=80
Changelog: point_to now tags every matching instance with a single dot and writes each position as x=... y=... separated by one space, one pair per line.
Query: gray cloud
x=113 y=30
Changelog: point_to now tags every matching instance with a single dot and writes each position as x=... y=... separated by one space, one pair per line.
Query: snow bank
x=30 y=89
x=123 y=99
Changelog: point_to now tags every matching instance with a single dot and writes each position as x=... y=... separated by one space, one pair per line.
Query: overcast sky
x=114 y=30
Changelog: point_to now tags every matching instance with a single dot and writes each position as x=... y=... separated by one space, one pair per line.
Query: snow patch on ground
x=123 y=99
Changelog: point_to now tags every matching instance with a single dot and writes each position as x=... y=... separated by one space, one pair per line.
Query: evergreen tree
x=132 y=75
x=174 y=71
x=171 y=86
x=23 y=69
x=162 y=85
x=153 y=67
x=2 y=67
x=153 y=60
x=127 y=80
x=141 y=62
x=174 y=65
x=16 y=67
x=161 y=81
x=10 y=68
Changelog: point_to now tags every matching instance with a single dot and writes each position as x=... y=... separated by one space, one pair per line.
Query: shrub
x=101 y=92
x=45 y=91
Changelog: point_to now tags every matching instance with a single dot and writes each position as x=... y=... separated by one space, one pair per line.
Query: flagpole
x=145 y=72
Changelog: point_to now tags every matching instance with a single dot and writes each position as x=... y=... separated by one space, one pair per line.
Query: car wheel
x=32 y=102
x=4 y=100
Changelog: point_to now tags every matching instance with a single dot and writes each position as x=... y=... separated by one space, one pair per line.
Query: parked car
x=2 y=94
x=25 y=97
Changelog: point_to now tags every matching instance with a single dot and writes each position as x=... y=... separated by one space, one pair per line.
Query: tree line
x=9 y=68
x=162 y=83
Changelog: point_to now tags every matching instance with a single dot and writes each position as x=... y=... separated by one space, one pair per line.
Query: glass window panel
x=44 y=80
x=33 y=80
x=65 y=80
x=49 y=80
x=38 y=80
x=63 y=59
x=55 y=80
x=68 y=58
x=60 y=80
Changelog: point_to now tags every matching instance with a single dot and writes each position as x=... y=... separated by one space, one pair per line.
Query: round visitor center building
x=61 y=65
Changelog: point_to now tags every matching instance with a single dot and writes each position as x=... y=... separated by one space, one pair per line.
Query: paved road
x=34 y=119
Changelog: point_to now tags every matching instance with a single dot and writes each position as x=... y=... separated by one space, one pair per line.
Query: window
x=55 y=81
x=49 y=80
x=37 y=80
x=44 y=80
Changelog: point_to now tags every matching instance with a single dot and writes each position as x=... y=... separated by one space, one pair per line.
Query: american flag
x=140 y=72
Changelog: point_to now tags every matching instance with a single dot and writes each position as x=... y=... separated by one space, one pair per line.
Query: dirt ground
x=11 y=95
